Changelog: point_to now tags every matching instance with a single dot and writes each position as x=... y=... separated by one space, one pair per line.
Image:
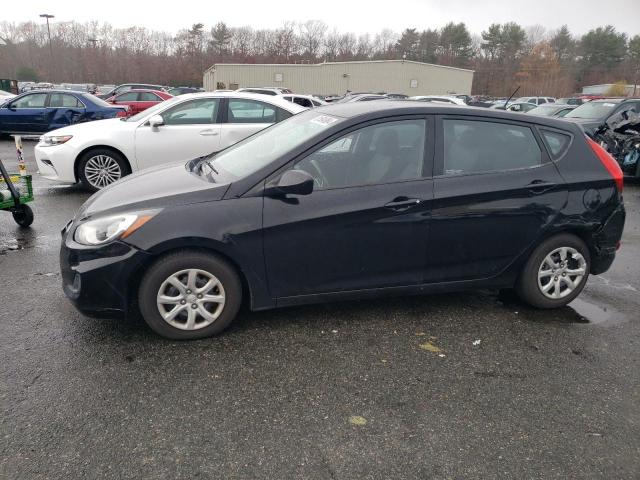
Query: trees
x=503 y=55
x=454 y=45
x=220 y=39
x=603 y=47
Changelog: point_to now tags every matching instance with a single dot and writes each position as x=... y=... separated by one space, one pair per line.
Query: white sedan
x=98 y=153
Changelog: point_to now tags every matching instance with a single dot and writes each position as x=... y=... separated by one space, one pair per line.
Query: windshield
x=151 y=110
x=257 y=151
x=592 y=110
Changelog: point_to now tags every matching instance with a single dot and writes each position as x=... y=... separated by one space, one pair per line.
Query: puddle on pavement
x=8 y=245
x=579 y=311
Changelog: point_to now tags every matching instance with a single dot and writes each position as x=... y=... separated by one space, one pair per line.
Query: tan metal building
x=335 y=78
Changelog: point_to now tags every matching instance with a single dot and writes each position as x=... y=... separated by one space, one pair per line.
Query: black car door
x=366 y=223
x=495 y=190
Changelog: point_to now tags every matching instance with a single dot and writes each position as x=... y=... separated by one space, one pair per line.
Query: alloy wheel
x=102 y=170
x=191 y=299
x=561 y=272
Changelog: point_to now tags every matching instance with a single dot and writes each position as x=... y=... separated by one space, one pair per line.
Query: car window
x=541 y=101
x=34 y=100
x=472 y=146
x=192 y=112
x=315 y=104
x=382 y=153
x=563 y=112
x=557 y=142
x=58 y=100
x=124 y=88
x=592 y=110
x=304 y=102
x=148 y=97
x=250 y=111
x=127 y=97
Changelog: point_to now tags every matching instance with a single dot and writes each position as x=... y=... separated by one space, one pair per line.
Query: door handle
x=540 y=186
x=400 y=204
x=208 y=132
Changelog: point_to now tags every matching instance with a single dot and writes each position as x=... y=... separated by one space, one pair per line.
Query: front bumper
x=99 y=281
x=56 y=162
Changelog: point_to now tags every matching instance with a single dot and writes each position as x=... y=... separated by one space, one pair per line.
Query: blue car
x=37 y=112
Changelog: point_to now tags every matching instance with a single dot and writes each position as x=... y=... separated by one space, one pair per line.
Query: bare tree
x=312 y=37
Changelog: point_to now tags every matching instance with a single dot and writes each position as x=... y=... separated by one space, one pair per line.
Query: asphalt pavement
x=464 y=385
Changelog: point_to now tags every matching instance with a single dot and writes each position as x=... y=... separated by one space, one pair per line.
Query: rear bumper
x=607 y=241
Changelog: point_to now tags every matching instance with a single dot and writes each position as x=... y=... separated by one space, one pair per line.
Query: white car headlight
x=51 y=140
x=105 y=229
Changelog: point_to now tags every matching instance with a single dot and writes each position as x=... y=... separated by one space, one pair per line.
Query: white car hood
x=95 y=127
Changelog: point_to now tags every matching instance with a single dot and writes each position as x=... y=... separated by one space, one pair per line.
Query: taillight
x=121 y=113
x=609 y=163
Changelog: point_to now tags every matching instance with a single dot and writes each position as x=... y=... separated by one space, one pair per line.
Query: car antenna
x=512 y=95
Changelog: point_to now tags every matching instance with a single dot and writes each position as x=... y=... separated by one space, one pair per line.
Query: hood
x=94 y=126
x=164 y=186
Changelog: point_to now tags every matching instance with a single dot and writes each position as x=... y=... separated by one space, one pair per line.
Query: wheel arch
x=76 y=163
x=249 y=289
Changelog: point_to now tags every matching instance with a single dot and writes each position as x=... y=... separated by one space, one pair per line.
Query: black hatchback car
x=347 y=201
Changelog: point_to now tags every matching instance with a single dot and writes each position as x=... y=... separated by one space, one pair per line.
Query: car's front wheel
x=556 y=272
x=101 y=167
x=189 y=295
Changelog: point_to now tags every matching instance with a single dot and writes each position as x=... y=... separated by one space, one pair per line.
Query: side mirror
x=296 y=182
x=156 y=121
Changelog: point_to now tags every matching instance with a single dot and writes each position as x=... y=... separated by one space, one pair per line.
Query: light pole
x=93 y=41
x=47 y=16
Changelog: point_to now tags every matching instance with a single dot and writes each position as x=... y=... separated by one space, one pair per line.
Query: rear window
x=473 y=146
x=557 y=142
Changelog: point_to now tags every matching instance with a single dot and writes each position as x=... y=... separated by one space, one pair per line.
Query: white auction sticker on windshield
x=324 y=120
x=609 y=104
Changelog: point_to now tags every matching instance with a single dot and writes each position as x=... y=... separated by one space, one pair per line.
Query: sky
x=355 y=16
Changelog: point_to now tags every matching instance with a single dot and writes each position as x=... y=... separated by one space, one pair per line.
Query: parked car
x=125 y=87
x=522 y=107
x=40 y=111
x=396 y=96
x=360 y=97
x=182 y=90
x=351 y=201
x=181 y=128
x=595 y=113
x=308 y=101
x=451 y=99
x=572 y=100
x=265 y=90
x=552 y=110
x=139 y=100
x=535 y=100
x=4 y=96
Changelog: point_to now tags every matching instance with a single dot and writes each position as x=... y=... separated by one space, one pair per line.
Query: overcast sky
x=345 y=15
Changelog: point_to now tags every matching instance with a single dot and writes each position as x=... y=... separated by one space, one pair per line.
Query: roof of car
x=410 y=107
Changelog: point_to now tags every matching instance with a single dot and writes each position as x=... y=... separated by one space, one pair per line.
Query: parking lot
x=462 y=385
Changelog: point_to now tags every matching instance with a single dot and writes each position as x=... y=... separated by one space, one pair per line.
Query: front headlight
x=51 y=140
x=106 y=229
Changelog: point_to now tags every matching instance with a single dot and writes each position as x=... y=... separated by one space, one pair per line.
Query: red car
x=139 y=99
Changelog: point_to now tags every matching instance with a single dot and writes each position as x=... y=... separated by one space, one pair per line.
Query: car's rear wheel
x=189 y=295
x=556 y=272
x=101 y=167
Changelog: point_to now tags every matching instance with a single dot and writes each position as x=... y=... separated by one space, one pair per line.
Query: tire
x=568 y=286
x=23 y=215
x=210 y=318
x=100 y=167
